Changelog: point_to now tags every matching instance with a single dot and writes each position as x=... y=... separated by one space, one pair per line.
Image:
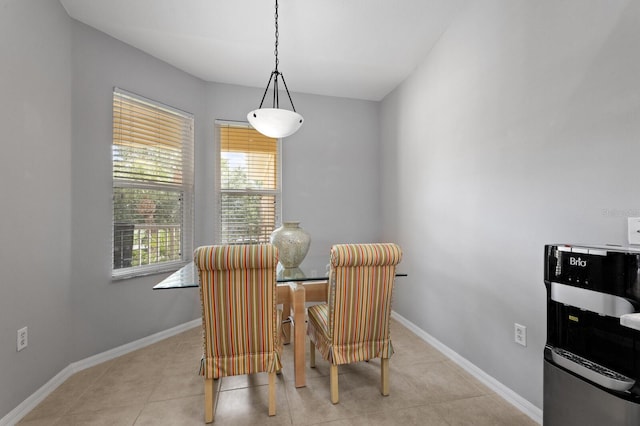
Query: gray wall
x=110 y=313
x=57 y=80
x=330 y=175
x=35 y=188
x=336 y=133
x=107 y=313
x=520 y=128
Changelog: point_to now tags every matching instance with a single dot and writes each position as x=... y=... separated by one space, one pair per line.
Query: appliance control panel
x=611 y=270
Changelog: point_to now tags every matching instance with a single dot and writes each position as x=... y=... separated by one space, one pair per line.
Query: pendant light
x=275 y=122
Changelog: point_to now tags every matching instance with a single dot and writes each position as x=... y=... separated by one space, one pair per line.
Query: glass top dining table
x=187 y=276
x=296 y=287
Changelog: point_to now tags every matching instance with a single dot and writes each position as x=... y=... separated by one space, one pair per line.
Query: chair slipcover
x=240 y=321
x=354 y=323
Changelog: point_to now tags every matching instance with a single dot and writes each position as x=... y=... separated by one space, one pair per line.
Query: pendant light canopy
x=275 y=122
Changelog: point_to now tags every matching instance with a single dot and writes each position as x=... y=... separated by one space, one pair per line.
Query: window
x=248 y=184
x=152 y=156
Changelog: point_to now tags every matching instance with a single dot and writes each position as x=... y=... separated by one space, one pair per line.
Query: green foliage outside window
x=246 y=217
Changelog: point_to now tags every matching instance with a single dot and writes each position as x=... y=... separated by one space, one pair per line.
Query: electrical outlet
x=22 y=338
x=520 y=336
x=633 y=230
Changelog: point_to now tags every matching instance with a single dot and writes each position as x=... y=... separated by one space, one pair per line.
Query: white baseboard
x=15 y=415
x=130 y=347
x=509 y=395
x=38 y=396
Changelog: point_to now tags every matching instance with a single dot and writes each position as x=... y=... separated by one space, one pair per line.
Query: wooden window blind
x=152 y=156
x=249 y=184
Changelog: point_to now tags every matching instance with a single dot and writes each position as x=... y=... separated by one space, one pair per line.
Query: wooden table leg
x=284 y=298
x=297 y=299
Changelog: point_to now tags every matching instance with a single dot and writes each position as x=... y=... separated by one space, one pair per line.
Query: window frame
x=218 y=180
x=186 y=191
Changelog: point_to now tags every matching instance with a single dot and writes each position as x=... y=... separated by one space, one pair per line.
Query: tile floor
x=159 y=385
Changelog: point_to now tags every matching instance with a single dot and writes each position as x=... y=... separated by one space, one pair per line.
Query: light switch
x=633 y=228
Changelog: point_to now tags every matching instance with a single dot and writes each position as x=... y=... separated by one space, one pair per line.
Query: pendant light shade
x=275 y=122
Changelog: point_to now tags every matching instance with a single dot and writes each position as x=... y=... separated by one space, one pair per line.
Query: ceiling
x=348 y=48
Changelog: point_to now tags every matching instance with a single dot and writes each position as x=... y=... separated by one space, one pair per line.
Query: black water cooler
x=592 y=353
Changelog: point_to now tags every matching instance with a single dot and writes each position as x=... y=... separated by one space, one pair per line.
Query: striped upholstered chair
x=240 y=321
x=354 y=323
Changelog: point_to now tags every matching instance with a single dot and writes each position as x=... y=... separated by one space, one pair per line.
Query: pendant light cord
x=275 y=74
x=275 y=51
